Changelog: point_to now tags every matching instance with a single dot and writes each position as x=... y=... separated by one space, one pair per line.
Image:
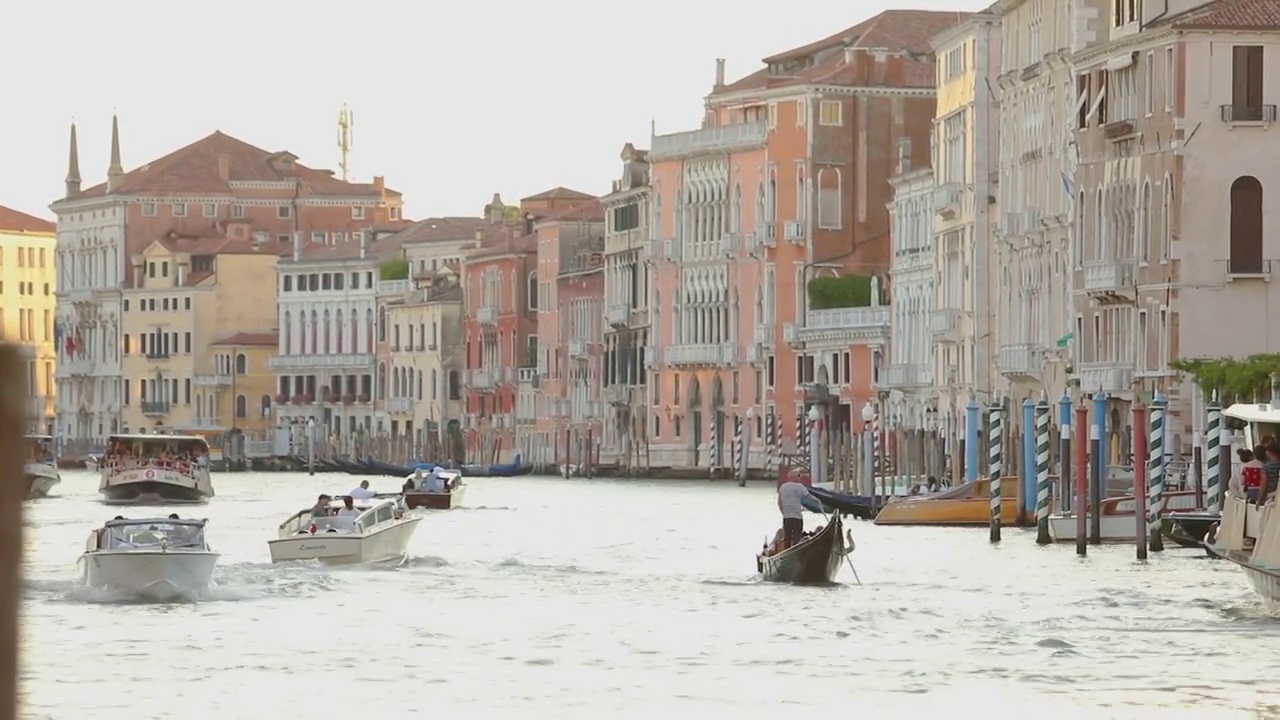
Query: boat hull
x=1188 y=529
x=435 y=500
x=1118 y=523
x=967 y=505
x=386 y=544
x=42 y=479
x=814 y=561
x=154 y=486
x=160 y=575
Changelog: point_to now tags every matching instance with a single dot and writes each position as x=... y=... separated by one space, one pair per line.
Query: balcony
x=618 y=394
x=906 y=376
x=291 y=363
x=653 y=250
x=527 y=376
x=77 y=367
x=702 y=354
x=1020 y=360
x=1110 y=377
x=764 y=334
x=211 y=380
x=758 y=242
x=947 y=199
x=577 y=349
x=394 y=287
x=623 y=241
x=1248 y=114
x=946 y=325
x=723 y=139
x=730 y=244
x=618 y=315
x=487 y=315
x=840 y=325
x=794 y=232
x=157 y=354
x=155 y=408
x=1110 y=280
x=652 y=356
x=400 y=406
x=671 y=250
x=482 y=379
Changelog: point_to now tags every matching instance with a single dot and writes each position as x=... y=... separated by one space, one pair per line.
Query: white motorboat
x=155 y=469
x=1117 y=520
x=162 y=559
x=380 y=532
x=42 y=468
x=91 y=463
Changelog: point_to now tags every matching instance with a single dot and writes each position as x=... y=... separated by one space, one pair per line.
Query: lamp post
x=311 y=446
x=746 y=447
x=869 y=445
x=815 y=444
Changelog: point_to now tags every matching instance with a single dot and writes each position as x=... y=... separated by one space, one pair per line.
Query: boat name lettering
x=305 y=546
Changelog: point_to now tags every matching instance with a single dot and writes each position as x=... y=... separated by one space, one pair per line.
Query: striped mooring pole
x=1155 y=474
x=802 y=435
x=714 y=437
x=1213 y=461
x=770 y=442
x=1042 y=473
x=995 y=464
x=737 y=443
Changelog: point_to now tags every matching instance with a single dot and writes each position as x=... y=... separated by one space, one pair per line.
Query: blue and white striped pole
x=1155 y=472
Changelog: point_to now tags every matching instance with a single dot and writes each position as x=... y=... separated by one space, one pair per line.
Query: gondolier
x=791 y=505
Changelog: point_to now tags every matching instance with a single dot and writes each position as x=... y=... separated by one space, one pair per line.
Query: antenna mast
x=346 y=124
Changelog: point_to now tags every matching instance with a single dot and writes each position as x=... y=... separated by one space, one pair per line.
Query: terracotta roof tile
x=267 y=339
x=1231 y=15
x=194 y=169
x=17 y=221
x=375 y=250
x=559 y=193
x=592 y=211
x=441 y=229
x=907 y=32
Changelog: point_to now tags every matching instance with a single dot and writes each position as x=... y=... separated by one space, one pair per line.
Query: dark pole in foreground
x=1082 y=479
x=1140 y=469
x=13 y=491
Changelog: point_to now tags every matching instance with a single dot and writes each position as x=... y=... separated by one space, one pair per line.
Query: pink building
x=571 y=326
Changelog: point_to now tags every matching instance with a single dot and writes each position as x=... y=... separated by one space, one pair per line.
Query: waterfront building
x=28 y=282
x=182 y=294
x=771 y=223
x=1036 y=90
x=195 y=191
x=420 y=300
x=504 y=291
x=964 y=322
x=627 y=289
x=908 y=376
x=238 y=395
x=1173 y=130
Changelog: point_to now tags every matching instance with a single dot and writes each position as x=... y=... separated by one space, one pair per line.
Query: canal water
x=610 y=598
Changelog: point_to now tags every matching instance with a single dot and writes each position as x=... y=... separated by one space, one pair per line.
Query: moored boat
x=41 y=468
x=968 y=504
x=155 y=469
x=1189 y=529
x=162 y=559
x=380 y=532
x=1117 y=520
x=1249 y=536
x=815 y=559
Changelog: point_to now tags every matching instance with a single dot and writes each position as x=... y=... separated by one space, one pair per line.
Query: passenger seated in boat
x=345 y=519
x=933 y=485
x=363 y=492
x=321 y=508
x=408 y=486
x=434 y=482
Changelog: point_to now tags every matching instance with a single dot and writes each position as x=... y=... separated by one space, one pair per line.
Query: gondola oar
x=849 y=537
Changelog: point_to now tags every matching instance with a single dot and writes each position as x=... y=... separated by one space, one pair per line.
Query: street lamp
x=311 y=446
x=868 y=413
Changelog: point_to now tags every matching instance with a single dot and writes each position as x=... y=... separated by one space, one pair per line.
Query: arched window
x=435 y=384
x=242 y=364
x=315 y=333
x=264 y=403
x=242 y=406
x=382 y=381
x=419 y=390
x=285 y=347
x=1166 y=221
x=1144 y=224
x=531 y=291
x=382 y=324
x=1246 y=226
x=353 y=327
x=455 y=386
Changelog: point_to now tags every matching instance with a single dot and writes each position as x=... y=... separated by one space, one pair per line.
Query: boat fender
x=1211 y=537
x=312 y=529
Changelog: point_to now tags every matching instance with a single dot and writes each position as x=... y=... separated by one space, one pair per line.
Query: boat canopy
x=142 y=533
x=124 y=522
x=1260 y=419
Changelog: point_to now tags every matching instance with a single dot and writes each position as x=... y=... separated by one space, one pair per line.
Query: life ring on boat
x=149 y=475
x=1211 y=537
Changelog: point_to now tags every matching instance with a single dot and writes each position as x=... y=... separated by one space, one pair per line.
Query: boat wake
x=512 y=562
x=231 y=583
x=423 y=561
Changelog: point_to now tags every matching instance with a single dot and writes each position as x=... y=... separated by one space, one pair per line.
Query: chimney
x=297 y=246
x=719 y=72
x=528 y=223
x=224 y=167
x=848 y=56
x=379 y=184
x=73 y=165
x=115 y=172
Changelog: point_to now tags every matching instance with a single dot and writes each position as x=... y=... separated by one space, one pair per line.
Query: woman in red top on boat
x=1252 y=473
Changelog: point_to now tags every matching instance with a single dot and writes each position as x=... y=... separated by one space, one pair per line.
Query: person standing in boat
x=791 y=505
x=363 y=492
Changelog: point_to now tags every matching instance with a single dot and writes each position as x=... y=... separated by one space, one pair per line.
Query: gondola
x=814 y=560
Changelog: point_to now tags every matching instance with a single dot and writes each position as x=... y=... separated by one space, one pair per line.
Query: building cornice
x=1089 y=58
x=813 y=90
x=970 y=27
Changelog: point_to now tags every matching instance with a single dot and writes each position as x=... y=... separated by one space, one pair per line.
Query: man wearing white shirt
x=791 y=505
x=363 y=492
x=434 y=482
x=345 y=519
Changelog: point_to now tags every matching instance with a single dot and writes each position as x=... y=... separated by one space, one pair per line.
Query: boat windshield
x=152 y=534
x=179 y=453
x=372 y=512
x=40 y=448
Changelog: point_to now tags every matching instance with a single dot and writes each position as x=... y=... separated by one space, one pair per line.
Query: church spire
x=116 y=171
x=73 y=165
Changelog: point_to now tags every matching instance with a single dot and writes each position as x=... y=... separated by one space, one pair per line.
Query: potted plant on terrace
x=348 y=399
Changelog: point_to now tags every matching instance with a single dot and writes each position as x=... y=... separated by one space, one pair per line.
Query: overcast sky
x=451 y=105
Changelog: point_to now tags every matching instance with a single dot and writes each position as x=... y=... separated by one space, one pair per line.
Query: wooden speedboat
x=968 y=504
x=1118 y=522
x=379 y=533
x=814 y=560
x=446 y=499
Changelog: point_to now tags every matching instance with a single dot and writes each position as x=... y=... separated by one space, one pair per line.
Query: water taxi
x=378 y=531
x=161 y=559
x=155 y=469
x=42 y=468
